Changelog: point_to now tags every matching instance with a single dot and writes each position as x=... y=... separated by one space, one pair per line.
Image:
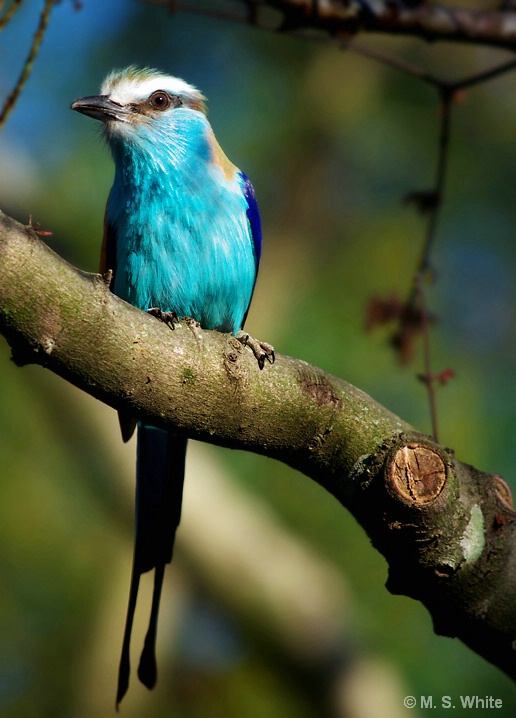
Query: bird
x=182 y=238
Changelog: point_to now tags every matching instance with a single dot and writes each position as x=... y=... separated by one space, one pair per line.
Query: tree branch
x=425 y=20
x=446 y=530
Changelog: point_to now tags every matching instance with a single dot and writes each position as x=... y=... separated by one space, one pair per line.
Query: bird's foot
x=168 y=318
x=194 y=326
x=191 y=322
x=262 y=351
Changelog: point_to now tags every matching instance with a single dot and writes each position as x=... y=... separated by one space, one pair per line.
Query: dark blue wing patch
x=253 y=215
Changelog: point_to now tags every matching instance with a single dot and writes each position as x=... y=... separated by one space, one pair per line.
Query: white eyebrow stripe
x=133 y=90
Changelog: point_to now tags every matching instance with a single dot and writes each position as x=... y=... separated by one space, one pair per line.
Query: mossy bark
x=446 y=529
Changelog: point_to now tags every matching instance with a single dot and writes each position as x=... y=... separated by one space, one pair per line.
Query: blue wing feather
x=253 y=215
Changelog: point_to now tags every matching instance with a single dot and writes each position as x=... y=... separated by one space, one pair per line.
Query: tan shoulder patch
x=228 y=168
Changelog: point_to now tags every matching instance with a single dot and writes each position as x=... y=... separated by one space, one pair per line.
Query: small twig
x=16 y=4
x=385 y=58
x=13 y=96
x=36 y=228
x=428 y=377
x=397 y=63
x=429 y=203
x=417 y=295
x=484 y=76
x=437 y=192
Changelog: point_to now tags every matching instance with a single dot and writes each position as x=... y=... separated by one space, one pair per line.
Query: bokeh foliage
x=332 y=142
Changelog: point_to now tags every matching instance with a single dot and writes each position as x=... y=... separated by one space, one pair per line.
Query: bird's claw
x=262 y=351
x=191 y=322
x=168 y=318
x=194 y=326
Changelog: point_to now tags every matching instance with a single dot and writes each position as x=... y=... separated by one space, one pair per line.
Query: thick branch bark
x=446 y=530
x=426 y=20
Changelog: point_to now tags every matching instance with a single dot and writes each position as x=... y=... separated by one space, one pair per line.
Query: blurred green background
x=276 y=603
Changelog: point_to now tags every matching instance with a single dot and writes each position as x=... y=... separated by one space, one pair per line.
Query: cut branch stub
x=417 y=473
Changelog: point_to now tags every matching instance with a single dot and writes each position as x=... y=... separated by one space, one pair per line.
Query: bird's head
x=135 y=100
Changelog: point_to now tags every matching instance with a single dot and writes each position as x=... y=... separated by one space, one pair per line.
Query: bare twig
x=9 y=13
x=413 y=314
x=417 y=295
x=428 y=378
x=15 y=93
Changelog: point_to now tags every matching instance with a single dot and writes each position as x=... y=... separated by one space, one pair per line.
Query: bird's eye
x=160 y=100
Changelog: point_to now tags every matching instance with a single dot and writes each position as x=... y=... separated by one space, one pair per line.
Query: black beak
x=100 y=107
